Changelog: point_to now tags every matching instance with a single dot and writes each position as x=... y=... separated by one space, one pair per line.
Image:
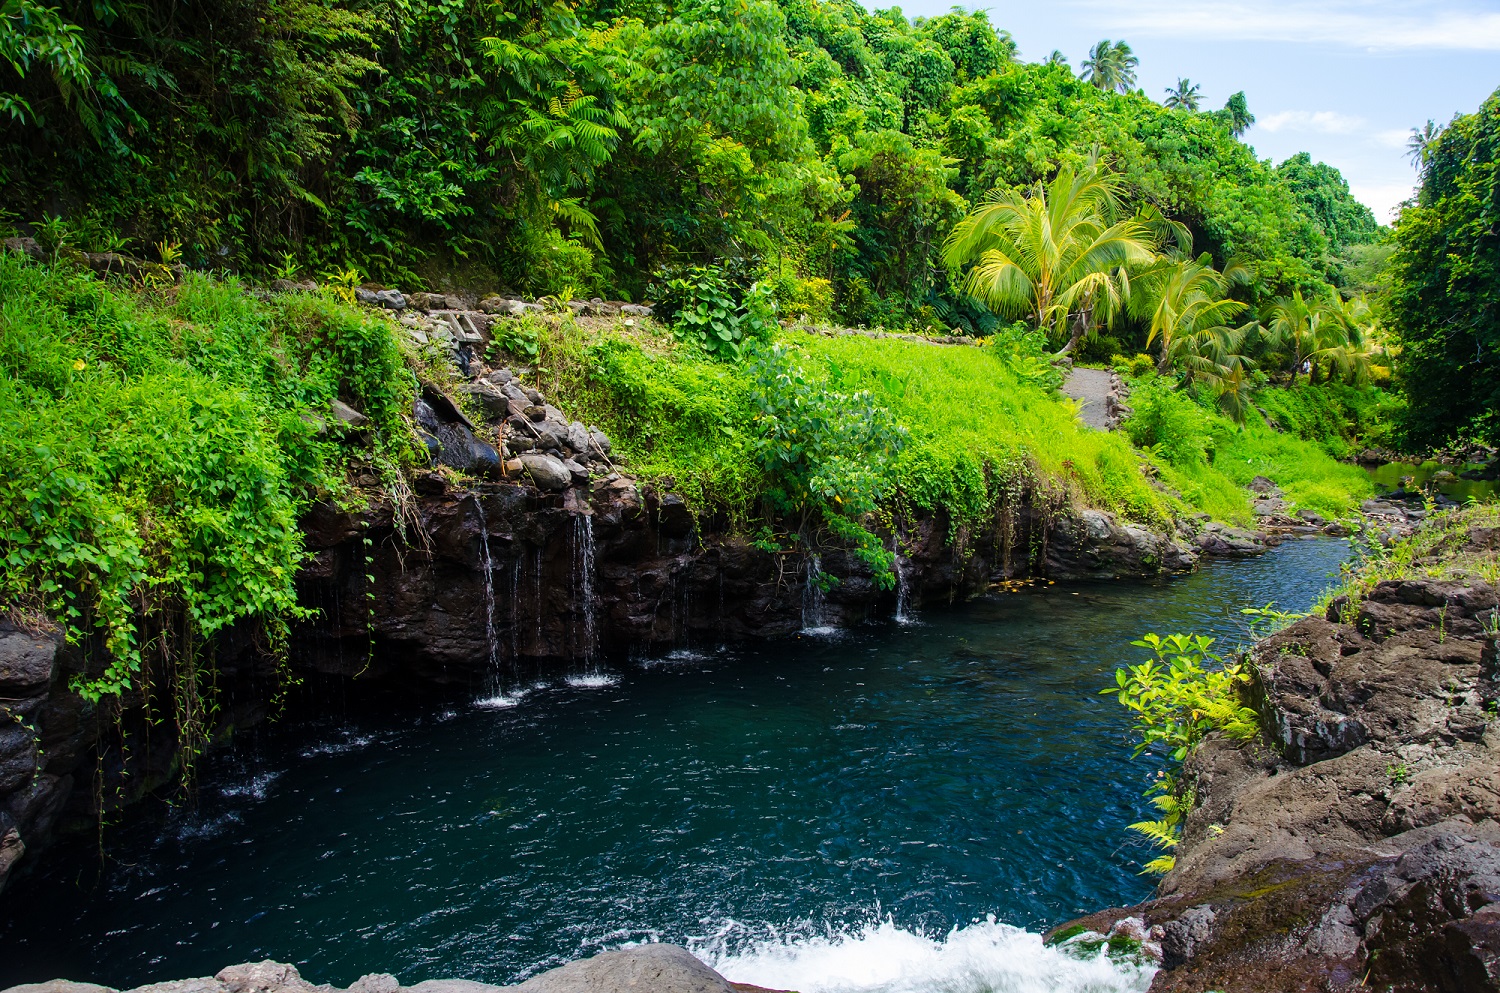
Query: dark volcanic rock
x=1359 y=847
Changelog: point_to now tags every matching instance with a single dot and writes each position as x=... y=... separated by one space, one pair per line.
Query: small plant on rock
x=1178 y=697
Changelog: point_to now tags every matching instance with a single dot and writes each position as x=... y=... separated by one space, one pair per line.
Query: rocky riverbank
x=1357 y=847
x=645 y=969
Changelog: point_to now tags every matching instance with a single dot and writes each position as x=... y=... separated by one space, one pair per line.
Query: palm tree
x=1419 y=145
x=1236 y=114
x=1323 y=334
x=1182 y=300
x=1057 y=58
x=1055 y=253
x=1185 y=96
x=1111 y=66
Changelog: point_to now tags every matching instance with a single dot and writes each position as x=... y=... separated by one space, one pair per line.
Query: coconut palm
x=1327 y=335
x=1185 y=97
x=1057 y=253
x=1111 y=66
x=1419 y=145
x=1183 y=303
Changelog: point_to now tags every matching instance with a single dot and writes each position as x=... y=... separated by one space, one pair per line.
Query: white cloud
x=1382 y=198
x=1370 y=24
x=1319 y=121
x=1394 y=138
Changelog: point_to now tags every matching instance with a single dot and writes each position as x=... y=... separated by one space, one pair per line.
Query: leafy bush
x=159 y=450
x=1178 y=697
x=1168 y=423
x=704 y=309
x=824 y=451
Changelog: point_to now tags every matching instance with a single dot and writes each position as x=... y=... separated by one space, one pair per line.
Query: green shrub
x=159 y=450
x=1178 y=697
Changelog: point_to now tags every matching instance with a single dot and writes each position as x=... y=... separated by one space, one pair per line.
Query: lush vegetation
x=583 y=147
x=1179 y=696
x=976 y=425
x=159 y=447
x=1444 y=299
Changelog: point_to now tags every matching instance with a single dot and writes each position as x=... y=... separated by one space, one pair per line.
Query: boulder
x=59 y=985
x=262 y=977
x=1260 y=484
x=490 y=397
x=25 y=661
x=644 y=969
x=390 y=299
x=546 y=472
x=347 y=415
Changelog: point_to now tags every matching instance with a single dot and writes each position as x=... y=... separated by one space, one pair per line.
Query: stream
x=896 y=807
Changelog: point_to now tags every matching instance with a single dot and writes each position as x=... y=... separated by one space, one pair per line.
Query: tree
x=1236 y=114
x=1444 y=302
x=1185 y=96
x=1055 y=253
x=1321 y=335
x=1419 y=145
x=1111 y=66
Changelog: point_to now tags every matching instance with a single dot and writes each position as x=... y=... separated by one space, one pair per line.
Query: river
x=895 y=807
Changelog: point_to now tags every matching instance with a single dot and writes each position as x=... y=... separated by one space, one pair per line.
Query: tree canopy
x=550 y=145
x=1444 y=300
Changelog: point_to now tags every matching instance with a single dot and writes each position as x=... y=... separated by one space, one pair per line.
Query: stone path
x=1090 y=387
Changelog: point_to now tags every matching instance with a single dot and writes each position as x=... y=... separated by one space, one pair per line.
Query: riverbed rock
x=646 y=969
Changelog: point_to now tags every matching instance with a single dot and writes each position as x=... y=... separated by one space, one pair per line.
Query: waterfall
x=492 y=642
x=813 y=598
x=515 y=609
x=586 y=639
x=904 y=613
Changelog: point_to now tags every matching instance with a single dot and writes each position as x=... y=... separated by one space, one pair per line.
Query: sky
x=1345 y=80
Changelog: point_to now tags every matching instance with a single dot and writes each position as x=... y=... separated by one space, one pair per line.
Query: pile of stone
x=1116 y=410
x=522 y=436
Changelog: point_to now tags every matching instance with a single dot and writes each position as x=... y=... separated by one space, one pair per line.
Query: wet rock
x=654 y=968
x=26 y=660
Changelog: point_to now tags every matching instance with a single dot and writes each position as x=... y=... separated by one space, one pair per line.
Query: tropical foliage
x=548 y=146
x=1178 y=697
x=1444 y=300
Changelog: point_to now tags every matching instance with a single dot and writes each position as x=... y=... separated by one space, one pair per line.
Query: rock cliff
x=1357 y=847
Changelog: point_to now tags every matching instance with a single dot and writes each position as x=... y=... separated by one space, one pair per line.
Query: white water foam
x=255 y=788
x=592 y=680
x=500 y=701
x=984 y=957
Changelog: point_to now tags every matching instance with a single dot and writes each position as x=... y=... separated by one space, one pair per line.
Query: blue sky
x=1345 y=80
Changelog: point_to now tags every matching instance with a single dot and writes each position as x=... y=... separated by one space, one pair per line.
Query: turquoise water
x=864 y=811
x=1390 y=477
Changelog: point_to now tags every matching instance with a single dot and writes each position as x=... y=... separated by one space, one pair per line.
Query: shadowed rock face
x=646 y=969
x=1361 y=850
x=596 y=567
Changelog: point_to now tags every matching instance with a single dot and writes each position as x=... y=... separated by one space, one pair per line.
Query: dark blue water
x=762 y=803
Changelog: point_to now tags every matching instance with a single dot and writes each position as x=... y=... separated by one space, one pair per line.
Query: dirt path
x=1090 y=387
